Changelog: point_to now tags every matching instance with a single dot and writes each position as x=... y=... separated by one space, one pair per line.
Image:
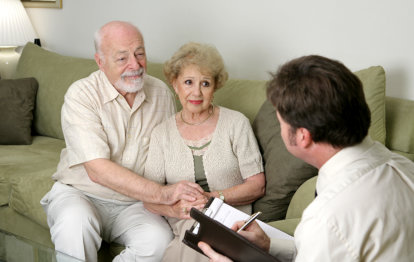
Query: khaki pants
x=78 y=223
x=177 y=250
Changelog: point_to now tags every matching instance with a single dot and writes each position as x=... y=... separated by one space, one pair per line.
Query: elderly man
x=107 y=119
x=364 y=208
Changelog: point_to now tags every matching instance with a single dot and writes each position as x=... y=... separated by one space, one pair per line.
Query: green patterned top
x=199 y=173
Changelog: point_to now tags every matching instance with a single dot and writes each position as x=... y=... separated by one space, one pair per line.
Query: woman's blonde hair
x=206 y=57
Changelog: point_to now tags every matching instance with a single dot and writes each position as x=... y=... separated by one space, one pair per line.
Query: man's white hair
x=98 y=37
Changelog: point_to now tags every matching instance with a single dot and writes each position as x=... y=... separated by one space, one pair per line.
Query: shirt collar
x=331 y=171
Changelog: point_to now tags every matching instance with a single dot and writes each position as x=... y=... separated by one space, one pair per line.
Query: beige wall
x=254 y=36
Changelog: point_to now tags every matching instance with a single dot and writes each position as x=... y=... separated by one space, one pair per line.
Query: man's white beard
x=132 y=86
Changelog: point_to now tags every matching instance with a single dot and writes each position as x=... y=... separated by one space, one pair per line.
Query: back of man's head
x=323 y=96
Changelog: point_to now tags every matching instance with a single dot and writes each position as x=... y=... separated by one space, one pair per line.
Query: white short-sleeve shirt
x=97 y=122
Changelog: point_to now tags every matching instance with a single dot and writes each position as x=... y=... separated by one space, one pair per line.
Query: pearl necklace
x=199 y=123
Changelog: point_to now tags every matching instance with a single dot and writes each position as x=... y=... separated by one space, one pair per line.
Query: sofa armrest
x=288 y=225
x=400 y=126
x=301 y=199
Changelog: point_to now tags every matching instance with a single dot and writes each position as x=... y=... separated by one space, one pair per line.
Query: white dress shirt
x=364 y=210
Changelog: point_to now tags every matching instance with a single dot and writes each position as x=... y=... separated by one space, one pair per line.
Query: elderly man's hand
x=213 y=255
x=183 y=190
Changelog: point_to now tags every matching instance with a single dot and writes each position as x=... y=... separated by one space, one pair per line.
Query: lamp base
x=8 y=61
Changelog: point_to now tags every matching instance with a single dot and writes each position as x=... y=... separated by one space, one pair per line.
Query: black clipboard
x=223 y=240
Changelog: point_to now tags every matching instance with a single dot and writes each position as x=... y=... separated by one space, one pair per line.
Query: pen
x=248 y=221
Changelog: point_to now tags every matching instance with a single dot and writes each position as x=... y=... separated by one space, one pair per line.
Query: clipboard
x=223 y=240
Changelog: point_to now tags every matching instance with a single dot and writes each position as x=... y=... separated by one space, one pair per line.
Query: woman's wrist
x=209 y=194
x=221 y=196
x=217 y=194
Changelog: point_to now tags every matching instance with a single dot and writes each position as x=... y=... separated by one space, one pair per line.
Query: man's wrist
x=160 y=198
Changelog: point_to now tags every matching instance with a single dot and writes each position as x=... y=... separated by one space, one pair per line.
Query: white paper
x=228 y=215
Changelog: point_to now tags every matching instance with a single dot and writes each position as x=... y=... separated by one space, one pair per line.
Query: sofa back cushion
x=245 y=96
x=373 y=80
x=54 y=73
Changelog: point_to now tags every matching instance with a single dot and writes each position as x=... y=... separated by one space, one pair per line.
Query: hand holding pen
x=249 y=221
x=253 y=232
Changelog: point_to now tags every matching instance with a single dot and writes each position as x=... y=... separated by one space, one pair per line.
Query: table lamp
x=15 y=30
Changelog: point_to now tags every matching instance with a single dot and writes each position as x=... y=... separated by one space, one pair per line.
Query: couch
x=26 y=165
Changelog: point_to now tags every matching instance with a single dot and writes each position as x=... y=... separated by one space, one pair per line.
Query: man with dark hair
x=364 y=206
x=324 y=97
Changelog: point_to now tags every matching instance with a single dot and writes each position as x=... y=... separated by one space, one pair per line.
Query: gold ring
x=185 y=210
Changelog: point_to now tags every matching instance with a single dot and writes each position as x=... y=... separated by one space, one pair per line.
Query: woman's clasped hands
x=182 y=208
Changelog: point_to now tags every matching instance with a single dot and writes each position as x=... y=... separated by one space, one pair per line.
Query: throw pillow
x=17 y=101
x=284 y=172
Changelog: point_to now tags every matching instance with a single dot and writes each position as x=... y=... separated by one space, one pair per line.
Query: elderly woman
x=210 y=145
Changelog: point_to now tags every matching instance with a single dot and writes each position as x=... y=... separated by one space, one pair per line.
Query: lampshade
x=15 y=26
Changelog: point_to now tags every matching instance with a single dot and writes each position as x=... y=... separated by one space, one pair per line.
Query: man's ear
x=303 y=137
x=98 y=60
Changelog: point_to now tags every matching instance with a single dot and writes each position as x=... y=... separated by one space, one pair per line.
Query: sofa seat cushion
x=22 y=226
x=25 y=175
x=5 y=187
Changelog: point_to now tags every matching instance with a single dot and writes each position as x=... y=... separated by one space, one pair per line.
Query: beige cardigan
x=232 y=156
